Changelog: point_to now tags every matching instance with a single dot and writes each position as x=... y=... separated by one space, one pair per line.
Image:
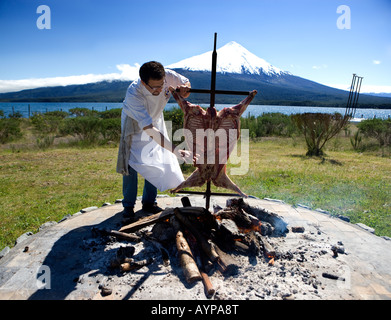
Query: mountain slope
x=231 y=58
x=277 y=90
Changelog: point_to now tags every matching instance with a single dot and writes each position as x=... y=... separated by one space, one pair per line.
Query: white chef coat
x=156 y=164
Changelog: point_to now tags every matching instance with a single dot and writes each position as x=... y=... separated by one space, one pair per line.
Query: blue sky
x=91 y=38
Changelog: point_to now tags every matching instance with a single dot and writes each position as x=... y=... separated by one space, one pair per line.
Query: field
x=37 y=185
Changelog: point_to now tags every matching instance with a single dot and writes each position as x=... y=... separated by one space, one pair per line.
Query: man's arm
x=184 y=90
x=161 y=140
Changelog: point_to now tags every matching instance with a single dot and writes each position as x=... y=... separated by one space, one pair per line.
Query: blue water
x=27 y=109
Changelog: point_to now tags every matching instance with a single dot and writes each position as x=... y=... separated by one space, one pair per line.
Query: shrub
x=16 y=115
x=47 y=123
x=269 y=124
x=57 y=114
x=9 y=130
x=377 y=128
x=111 y=129
x=356 y=141
x=83 y=112
x=111 y=114
x=176 y=117
x=318 y=128
x=86 y=128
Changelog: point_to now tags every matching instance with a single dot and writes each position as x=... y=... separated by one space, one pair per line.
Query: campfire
x=203 y=241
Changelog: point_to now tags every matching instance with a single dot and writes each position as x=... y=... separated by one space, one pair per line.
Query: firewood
x=188 y=264
x=227 y=264
x=209 y=290
x=206 y=246
x=144 y=222
x=241 y=246
x=135 y=265
x=160 y=247
x=165 y=214
x=117 y=234
x=278 y=223
x=267 y=248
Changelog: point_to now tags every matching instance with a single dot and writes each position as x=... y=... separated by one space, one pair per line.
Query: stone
x=365 y=227
x=47 y=225
x=65 y=218
x=89 y=209
x=5 y=251
x=344 y=218
x=23 y=237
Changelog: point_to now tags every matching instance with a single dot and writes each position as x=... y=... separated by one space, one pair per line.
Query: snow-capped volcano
x=231 y=58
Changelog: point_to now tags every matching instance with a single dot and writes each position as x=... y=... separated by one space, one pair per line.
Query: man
x=144 y=145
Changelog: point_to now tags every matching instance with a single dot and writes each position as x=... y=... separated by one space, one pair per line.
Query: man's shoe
x=128 y=212
x=151 y=208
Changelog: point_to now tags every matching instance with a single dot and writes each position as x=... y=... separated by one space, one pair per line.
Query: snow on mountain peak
x=231 y=58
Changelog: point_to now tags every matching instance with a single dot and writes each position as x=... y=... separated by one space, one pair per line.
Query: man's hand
x=187 y=156
x=184 y=90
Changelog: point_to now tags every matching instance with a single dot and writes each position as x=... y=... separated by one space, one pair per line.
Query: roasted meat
x=212 y=135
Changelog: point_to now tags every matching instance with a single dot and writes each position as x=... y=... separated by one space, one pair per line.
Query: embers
x=203 y=242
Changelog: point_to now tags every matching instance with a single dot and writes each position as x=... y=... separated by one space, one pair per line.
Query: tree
x=318 y=128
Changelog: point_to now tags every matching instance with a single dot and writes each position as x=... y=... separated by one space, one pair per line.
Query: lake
x=27 y=109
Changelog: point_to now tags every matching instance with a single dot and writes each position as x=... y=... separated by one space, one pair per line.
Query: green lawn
x=40 y=186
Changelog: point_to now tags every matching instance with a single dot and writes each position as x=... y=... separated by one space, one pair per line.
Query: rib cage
x=213 y=135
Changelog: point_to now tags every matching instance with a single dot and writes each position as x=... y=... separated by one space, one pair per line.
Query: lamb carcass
x=213 y=135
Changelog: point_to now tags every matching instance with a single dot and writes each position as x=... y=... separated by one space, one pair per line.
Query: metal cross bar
x=238 y=93
x=212 y=193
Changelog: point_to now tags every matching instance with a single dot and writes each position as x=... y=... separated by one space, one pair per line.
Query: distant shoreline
x=28 y=108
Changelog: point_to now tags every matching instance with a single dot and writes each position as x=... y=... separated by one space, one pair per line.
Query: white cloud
x=364 y=88
x=323 y=66
x=376 y=62
x=127 y=72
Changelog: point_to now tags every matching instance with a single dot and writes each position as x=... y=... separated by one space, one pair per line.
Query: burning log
x=279 y=225
x=186 y=257
x=206 y=246
x=123 y=255
x=130 y=265
x=117 y=234
x=227 y=264
x=198 y=258
x=267 y=248
x=165 y=214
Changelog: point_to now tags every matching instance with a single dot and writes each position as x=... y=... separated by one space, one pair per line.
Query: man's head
x=152 y=75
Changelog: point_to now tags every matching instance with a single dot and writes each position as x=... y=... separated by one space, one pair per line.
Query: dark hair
x=152 y=70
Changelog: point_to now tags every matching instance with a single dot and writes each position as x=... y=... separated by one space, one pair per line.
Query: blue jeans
x=129 y=190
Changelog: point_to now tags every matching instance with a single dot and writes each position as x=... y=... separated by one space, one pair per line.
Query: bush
x=9 y=130
x=16 y=115
x=87 y=129
x=47 y=123
x=269 y=124
x=83 y=112
x=176 y=117
x=377 y=128
x=318 y=128
x=111 y=129
x=57 y=114
x=111 y=114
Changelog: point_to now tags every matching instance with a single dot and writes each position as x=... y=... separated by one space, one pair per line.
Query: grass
x=39 y=186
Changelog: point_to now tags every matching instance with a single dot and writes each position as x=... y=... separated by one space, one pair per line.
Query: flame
x=256 y=226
